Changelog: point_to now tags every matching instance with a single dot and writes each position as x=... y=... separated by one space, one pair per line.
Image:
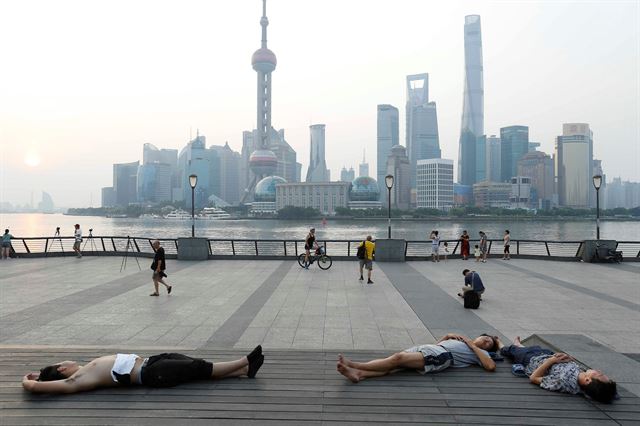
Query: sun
x=32 y=159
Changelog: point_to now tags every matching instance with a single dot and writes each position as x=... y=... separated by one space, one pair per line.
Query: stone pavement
x=239 y=303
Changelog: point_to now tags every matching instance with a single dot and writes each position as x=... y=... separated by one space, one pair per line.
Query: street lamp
x=193 y=181
x=597 y=183
x=388 y=180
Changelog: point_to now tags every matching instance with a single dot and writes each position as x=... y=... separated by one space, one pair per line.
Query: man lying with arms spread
x=164 y=370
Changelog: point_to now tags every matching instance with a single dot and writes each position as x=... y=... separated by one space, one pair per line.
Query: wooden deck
x=302 y=387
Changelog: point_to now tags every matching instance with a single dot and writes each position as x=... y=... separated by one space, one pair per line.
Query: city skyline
x=76 y=119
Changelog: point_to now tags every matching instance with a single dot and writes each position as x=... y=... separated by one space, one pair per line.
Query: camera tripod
x=123 y=265
x=92 y=246
x=56 y=235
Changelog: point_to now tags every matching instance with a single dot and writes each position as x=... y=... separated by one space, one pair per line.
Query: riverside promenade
x=53 y=309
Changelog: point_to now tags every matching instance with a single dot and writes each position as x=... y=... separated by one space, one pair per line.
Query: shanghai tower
x=473 y=103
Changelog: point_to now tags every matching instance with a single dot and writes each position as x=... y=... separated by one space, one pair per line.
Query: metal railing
x=276 y=249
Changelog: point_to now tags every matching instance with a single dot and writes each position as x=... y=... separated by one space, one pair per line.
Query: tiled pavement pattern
x=297 y=387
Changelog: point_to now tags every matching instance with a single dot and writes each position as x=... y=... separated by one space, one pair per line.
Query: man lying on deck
x=452 y=350
x=164 y=370
x=558 y=372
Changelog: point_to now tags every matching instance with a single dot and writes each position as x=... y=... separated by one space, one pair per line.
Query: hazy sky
x=84 y=84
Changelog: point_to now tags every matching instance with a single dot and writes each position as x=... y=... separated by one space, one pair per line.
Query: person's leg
x=369 y=270
x=155 y=285
x=399 y=360
x=361 y=269
x=167 y=286
x=239 y=367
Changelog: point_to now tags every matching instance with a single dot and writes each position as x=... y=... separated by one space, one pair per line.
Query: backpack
x=362 y=251
x=471 y=300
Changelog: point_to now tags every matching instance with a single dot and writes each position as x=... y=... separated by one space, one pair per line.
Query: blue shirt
x=473 y=279
x=463 y=356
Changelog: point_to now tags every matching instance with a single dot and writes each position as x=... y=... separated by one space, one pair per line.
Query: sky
x=84 y=84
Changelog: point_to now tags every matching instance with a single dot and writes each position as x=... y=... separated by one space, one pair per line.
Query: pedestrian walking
x=446 y=250
x=369 y=247
x=483 y=246
x=435 y=246
x=464 y=245
x=77 y=234
x=159 y=265
x=6 y=244
x=507 y=243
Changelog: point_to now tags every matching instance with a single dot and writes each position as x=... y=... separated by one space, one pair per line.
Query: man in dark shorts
x=558 y=372
x=158 y=266
x=309 y=244
x=164 y=370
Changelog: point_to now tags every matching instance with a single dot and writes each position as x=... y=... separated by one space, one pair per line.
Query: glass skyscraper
x=514 y=144
x=473 y=102
x=388 y=136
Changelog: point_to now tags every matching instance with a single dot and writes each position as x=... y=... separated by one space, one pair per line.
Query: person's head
x=155 y=244
x=446 y=244
x=435 y=233
x=6 y=231
x=60 y=371
x=465 y=272
x=477 y=246
x=506 y=231
x=369 y=238
x=312 y=231
x=596 y=385
x=481 y=233
x=77 y=225
x=464 y=232
x=486 y=342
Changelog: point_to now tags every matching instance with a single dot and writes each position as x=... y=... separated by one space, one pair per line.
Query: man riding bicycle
x=309 y=244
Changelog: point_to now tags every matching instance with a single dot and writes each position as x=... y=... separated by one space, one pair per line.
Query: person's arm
x=70 y=385
x=539 y=373
x=485 y=360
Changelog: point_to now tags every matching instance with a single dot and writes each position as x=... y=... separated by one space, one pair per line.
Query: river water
x=40 y=225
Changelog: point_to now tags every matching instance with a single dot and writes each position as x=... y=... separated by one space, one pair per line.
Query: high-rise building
x=538 y=167
x=493 y=159
x=388 y=135
x=108 y=197
x=520 y=192
x=398 y=165
x=492 y=194
x=481 y=159
x=317 y=171
x=125 y=178
x=363 y=168
x=574 y=165
x=434 y=184
x=224 y=166
x=158 y=174
x=514 y=144
x=422 y=139
x=621 y=193
x=473 y=100
x=347 y=175
x=194 y=159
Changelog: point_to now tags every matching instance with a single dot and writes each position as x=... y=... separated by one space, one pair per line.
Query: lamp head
x=388 y=180
x=597 y=182
x=193 y=181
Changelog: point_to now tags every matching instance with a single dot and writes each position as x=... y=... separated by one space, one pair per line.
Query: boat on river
x=213 y=213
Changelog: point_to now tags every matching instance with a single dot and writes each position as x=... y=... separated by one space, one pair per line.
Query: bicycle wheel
x=301 y=260
x=324 y=262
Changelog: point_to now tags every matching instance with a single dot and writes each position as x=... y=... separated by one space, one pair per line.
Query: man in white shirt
x=78 y=240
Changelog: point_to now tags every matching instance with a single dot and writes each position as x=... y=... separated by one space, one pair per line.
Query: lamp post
x=388 y=180
x=597 y=183
x=193 y=181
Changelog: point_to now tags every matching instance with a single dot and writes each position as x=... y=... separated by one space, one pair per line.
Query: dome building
x=265 y=195
x=364 y=193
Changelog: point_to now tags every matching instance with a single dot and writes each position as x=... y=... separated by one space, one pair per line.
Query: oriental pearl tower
x=263 y=162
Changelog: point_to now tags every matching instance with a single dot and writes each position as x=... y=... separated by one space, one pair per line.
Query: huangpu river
x=43 y=225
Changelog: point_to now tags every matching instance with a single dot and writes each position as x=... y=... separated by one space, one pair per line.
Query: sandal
x=169 y=290
x=154 y=294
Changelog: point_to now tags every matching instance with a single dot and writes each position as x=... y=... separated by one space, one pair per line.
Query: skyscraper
x=434 y=184
x=317 y=171
x=388 y=136
x=398 y=165
x=363 y=168
x=473 y=100
x=347 y=175
x=493 y=159
x=514 y=144
x=538 y=166
x=125 y=177
x=422 y=137
x=574 y=165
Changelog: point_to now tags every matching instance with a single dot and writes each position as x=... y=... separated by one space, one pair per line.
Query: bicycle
x=324 y=261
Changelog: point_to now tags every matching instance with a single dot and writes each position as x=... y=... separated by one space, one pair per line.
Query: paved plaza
x=62 y=306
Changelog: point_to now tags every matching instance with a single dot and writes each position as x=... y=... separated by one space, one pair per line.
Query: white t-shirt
x=78 y=235
x=123 y=365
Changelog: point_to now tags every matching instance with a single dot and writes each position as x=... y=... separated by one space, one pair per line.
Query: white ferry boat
x=213 y=213
x=178 y=214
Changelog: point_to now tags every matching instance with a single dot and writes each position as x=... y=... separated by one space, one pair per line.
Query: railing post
x=113 y=243
x=456 y=247
x=489 y=249
x=284 y=243
x=547 y=247
x=579 y=247
x=233 y=248
x=135 y=243
x=26 y=246
x=255 y=242
x=46 y=244
x=348 y=248
x=102 y=242
x=517 y=246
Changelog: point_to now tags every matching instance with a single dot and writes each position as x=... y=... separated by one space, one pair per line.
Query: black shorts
x=506 y=248
x=171 y=369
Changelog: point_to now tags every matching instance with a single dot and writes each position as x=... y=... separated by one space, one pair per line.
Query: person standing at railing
x=435 y=246
x=159 y=265
x=6 y=244
x=483 y=246
x=507 y=243
x=464 y=245
x=77 y=234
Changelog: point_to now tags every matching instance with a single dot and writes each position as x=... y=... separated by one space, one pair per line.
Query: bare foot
x=517 y=341
x=348 y=372
x=346 y=361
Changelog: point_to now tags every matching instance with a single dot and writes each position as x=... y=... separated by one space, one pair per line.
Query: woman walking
x=507 y=243
x=464 y=245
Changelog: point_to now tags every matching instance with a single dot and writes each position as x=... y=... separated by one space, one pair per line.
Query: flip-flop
x=169 y=289
x=518 y=370
x=255 y=354
x=154 y=294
